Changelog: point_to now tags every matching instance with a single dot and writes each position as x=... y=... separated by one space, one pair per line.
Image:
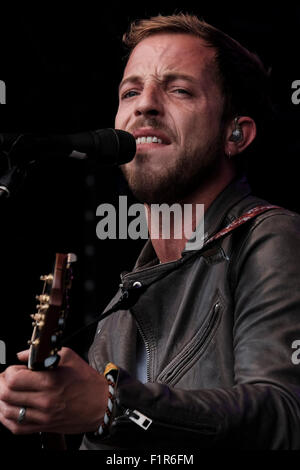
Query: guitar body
x=48 y=326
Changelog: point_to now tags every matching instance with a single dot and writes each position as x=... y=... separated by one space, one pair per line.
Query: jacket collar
x=223 y=210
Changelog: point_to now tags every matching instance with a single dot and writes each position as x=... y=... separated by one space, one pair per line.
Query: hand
x=70 y=399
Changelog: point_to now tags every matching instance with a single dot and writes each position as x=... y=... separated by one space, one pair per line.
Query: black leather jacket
x=219 y=326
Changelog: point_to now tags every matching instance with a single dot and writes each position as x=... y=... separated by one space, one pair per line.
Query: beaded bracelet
x=110 y=373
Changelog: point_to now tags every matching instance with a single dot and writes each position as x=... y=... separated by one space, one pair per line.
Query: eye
x=129 y=94
x=181 y=91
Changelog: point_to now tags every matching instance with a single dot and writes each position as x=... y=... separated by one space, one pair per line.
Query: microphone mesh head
x=127 y=146
x=117 y=146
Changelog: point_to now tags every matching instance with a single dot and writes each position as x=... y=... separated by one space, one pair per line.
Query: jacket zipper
x=146 y=344
x=138 y=418
x=144 y=422
x=124 y=296
x=183 y=358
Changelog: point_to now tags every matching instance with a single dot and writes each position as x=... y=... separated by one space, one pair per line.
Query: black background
x=62 y=68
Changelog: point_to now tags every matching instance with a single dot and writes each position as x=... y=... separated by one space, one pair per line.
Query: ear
x=248 y=134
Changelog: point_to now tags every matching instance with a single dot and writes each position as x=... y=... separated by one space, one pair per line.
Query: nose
x=149 y=102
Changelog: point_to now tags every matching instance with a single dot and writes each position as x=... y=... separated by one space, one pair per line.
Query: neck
x=169 y=245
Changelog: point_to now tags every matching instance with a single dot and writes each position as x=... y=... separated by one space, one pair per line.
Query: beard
x=173 y=183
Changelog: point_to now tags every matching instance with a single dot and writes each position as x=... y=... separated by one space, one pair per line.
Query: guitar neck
x=49 y=322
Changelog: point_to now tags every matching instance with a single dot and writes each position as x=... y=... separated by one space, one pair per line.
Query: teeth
x=148 y=140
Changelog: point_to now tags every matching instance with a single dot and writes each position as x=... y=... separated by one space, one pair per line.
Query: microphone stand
x=13 y=176
x=11 y=180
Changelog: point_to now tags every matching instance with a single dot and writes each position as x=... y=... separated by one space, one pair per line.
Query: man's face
x=170 y=101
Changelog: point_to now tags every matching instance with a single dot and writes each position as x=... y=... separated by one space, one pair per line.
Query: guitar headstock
x=52 y=311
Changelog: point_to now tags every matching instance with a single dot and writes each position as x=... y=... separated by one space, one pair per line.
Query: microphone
x=107 y=146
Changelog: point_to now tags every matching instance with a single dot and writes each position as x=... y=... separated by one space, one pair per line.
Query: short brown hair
x=241 y=74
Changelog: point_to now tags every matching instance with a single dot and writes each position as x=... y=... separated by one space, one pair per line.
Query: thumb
x=23 y=355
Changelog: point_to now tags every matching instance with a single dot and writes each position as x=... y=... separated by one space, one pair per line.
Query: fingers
x=20 y=387
x=70 y=399
x=23 y=355
x=19 y=378
x=32 y=416
x=37 y=400
x=65 y=353
x=41 y=413
x=18 y=429
x=34 y=420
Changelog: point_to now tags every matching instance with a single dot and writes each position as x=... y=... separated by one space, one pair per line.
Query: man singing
x=202 y=358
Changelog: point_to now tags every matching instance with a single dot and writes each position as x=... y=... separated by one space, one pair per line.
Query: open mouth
x=150 y=136
x=148 y=140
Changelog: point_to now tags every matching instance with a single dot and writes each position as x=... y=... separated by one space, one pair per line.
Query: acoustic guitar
x=48 y=325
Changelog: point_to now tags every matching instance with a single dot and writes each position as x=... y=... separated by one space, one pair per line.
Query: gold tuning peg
x=47 y=278
x=43 y=298
x=38 y=317
x=34 y=342
x=42 y=307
